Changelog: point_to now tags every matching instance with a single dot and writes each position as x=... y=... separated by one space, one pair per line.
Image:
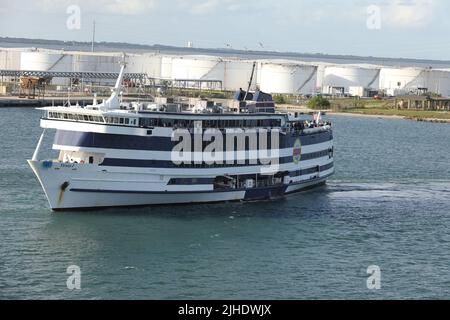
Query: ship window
x=127 y=121
x=116 y=120
x=167 y=123
x=149 y=132
x=121 y=120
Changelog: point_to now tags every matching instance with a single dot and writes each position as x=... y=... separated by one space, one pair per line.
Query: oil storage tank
x=360 y=80
x=58 y=61
x=166 y=67
x=206 y=72
x=397 y=81
x=439 y=82
x=150 y=64
x=46 y=61
x=10 y=59
x=287 y=77
x=96 y=62
x=238 y=73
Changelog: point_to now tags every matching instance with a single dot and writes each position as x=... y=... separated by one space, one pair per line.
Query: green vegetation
x=279 y=99
x=344 y=104
x=318 y=102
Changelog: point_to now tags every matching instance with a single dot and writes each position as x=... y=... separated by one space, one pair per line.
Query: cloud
x=122 y=7
x=204 y=7
x=128 y=7
x=409 y=13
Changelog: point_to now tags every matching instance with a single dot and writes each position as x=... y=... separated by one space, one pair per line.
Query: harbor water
x=388 y=206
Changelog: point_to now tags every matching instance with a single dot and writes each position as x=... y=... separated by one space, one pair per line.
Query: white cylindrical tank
x=166 y=67
x=403 y=80
x=96 y=62
x=286 y=77
x=46 y=61
x=351 y=76
x=442 y=82
x=237 y=74
x=198 y=68
x=147 y=63
x=439 y=82
x=10 y=59
x=57 y=61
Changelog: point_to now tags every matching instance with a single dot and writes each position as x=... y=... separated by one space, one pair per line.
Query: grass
x=383 y=108
x=414 y=114
x=342 y=104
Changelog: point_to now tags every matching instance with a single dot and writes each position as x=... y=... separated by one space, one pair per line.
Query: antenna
x=93 y=36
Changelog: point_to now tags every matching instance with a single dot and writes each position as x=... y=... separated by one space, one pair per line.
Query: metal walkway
x=72 y=75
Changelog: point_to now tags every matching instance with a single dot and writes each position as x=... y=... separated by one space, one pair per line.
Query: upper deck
x=249 y=110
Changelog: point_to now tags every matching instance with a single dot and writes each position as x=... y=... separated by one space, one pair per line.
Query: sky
x=382 y=28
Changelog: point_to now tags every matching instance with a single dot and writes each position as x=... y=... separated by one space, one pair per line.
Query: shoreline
x=383 y=116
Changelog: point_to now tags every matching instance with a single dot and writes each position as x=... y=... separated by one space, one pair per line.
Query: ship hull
x=84 y=186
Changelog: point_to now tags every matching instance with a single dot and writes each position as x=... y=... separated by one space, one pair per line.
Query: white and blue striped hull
x=91 y=186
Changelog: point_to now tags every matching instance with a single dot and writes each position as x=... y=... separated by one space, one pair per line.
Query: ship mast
x=113 y=101
x=251 y=80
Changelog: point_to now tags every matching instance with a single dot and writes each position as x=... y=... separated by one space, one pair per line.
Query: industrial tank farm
x=227 y=73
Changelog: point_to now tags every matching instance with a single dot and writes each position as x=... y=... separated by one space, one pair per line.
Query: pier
x=425 y=103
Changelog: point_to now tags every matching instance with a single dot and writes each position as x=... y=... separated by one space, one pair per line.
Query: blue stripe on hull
x=134 y=163
x=130 y=142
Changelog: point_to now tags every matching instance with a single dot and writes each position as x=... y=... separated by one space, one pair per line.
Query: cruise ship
x=115 y=154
